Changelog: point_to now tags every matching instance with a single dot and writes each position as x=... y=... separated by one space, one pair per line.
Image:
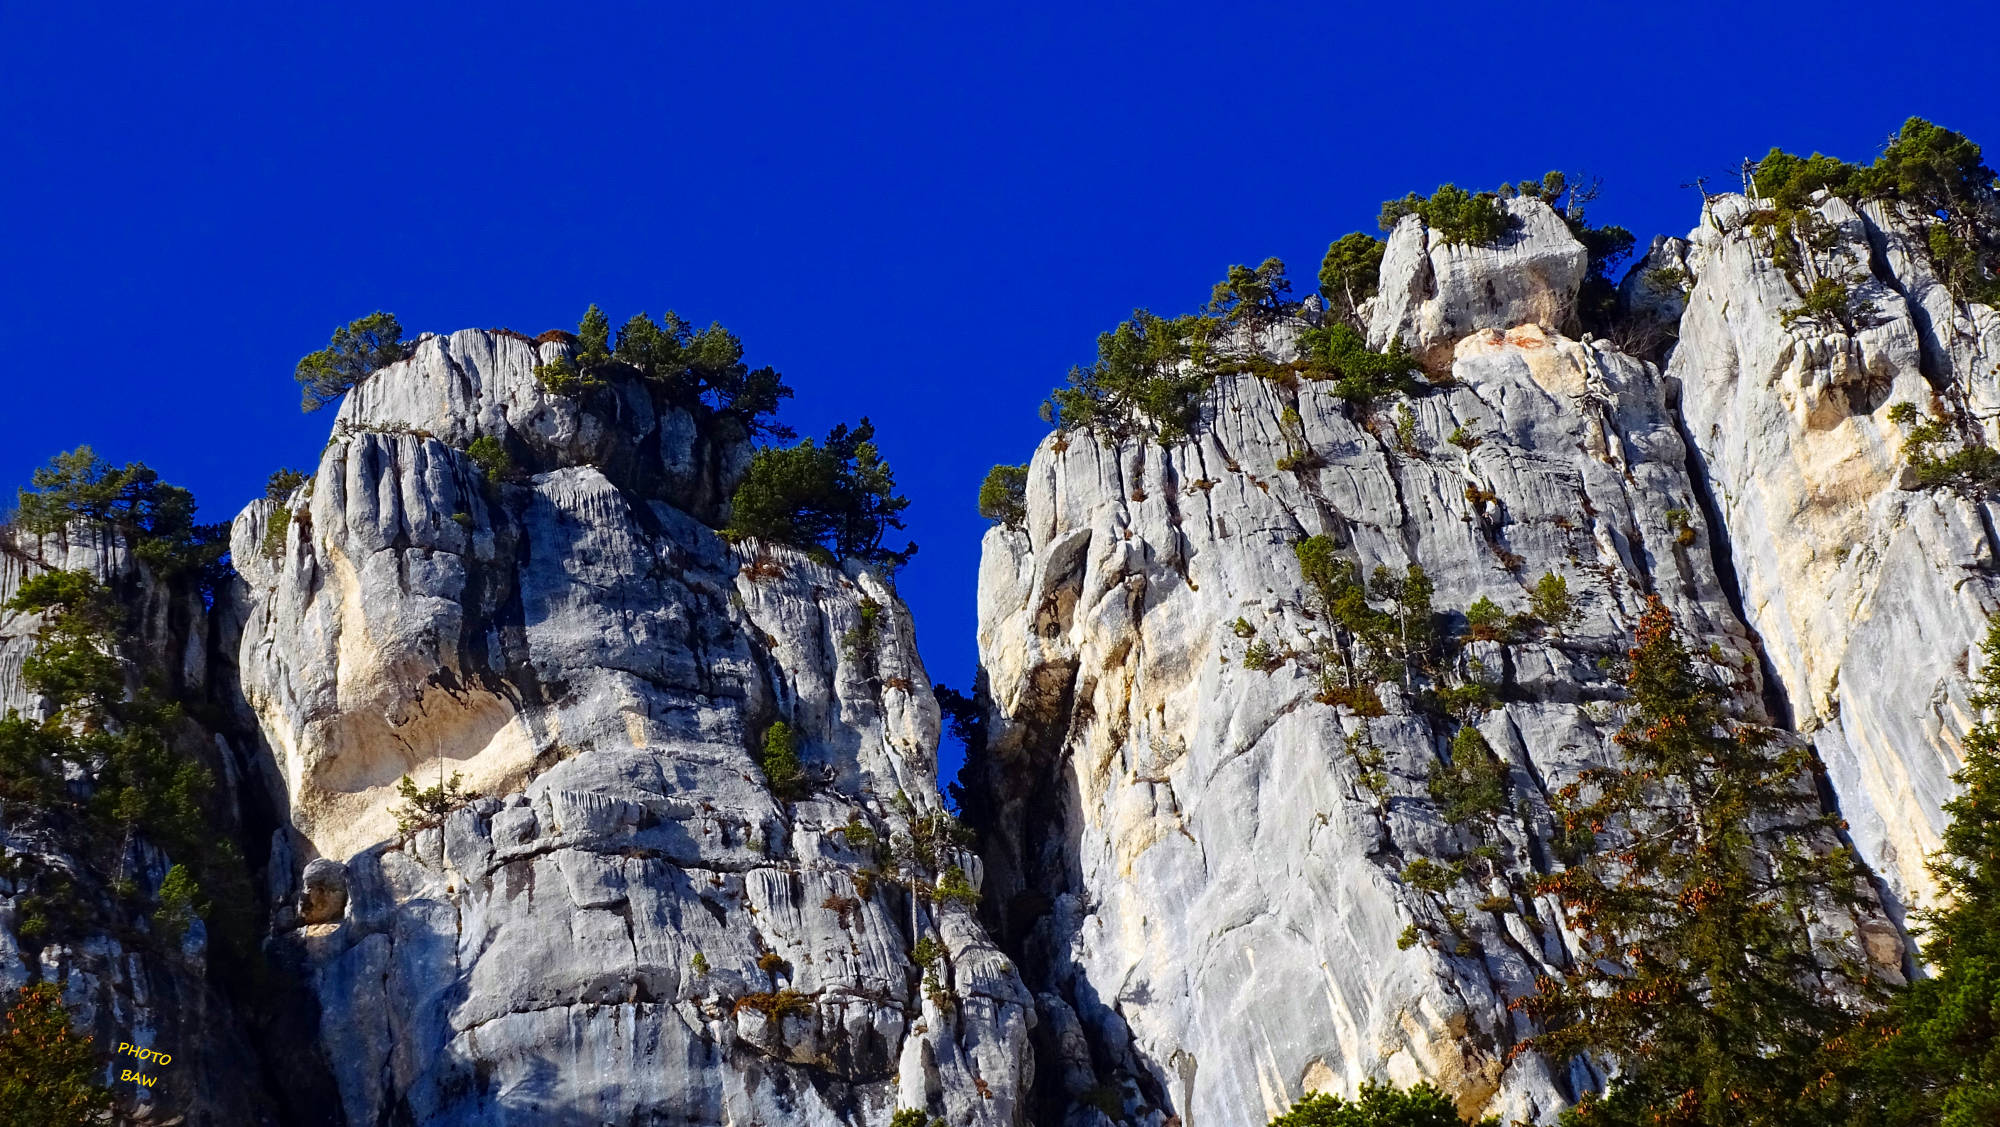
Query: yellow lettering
x=148 y=1081
x=125 y=1075
x=123 y=1047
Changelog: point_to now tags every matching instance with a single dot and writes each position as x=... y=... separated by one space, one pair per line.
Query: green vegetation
x=1250 y=296
x=1549 y=601
x=48 y=1071
x=1453 y=214
x=954 y=887
x=1153 y=373
x=280 y=486
x=428 y=808
x=114 y=757
x=859 y=645
x=1942 y=177
x=1351 y=274
x=155 y=518
x=123 y=743
x=911 y=1117
x=582 y=371
x=1471 y=787
x=273 y=544
x=278 y=489
x=1406 y=430
x=1379 y=1105
x=1973 y=466
x=490 y=455
x=703 y=370
x=776 y=1005
x=359 y=348
x=1337 y=352
x=1485 y=621
x=180 y=903
x=1148 y=369
x=780 y=760
x=1830 y=304
x=1003 y=496
x=928 y=853
x=838 y=497
x=700 y=371
x=1262 y=657
x=1706 y=989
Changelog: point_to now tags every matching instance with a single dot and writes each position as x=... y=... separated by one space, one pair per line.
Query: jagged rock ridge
x=1204 y=892
x=630 y=928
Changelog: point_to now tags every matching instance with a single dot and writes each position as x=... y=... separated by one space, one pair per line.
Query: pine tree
x=48 y=1071
x=1693 y=870
x=358 y=349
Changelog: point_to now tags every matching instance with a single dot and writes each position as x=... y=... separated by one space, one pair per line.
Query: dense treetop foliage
x=359 y=348
x=1940 y=174
x=157 y=519
x=699 y=370
x=1351 y=274
x=1336 y=352
x=1003 y=496
x=113 y=755
x=837 y=497
x=1453 y=214
x=1149 y=367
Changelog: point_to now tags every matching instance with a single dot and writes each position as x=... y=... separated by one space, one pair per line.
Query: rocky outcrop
x=75 y=909
x=1870 y=595
x=1433 y=293
x=1190 y=853
x=627 y=925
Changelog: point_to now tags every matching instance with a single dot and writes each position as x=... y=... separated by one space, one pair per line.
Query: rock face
x=1203 y=884
x=1434 y=293
x=627 y=926
x=1870 y=596
x=123 y=979
x=1195 y=902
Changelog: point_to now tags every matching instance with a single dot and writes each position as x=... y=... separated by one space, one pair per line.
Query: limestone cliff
x=1202 y=881
x=1197 y=902
x=1869 y=594
x=74 y=909
x=627 y=926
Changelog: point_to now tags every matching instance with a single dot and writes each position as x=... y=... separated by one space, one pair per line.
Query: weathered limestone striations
x=628 y=926
x=1202 y=882
x=1870 y=595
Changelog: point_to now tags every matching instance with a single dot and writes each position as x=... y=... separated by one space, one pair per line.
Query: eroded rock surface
x=627 y=926
x=1870 y=595
x=1204 y=888
x=1433 y=293
x=63 y=917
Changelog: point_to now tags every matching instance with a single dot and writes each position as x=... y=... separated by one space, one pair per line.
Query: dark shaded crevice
x=1777 y=702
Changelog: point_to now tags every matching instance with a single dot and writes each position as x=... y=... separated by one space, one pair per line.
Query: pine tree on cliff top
x=1693 y=874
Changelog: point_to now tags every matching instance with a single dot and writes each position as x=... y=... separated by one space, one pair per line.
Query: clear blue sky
x=920 y=215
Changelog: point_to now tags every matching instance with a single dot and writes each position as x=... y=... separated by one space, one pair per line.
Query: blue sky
x=924 y=214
